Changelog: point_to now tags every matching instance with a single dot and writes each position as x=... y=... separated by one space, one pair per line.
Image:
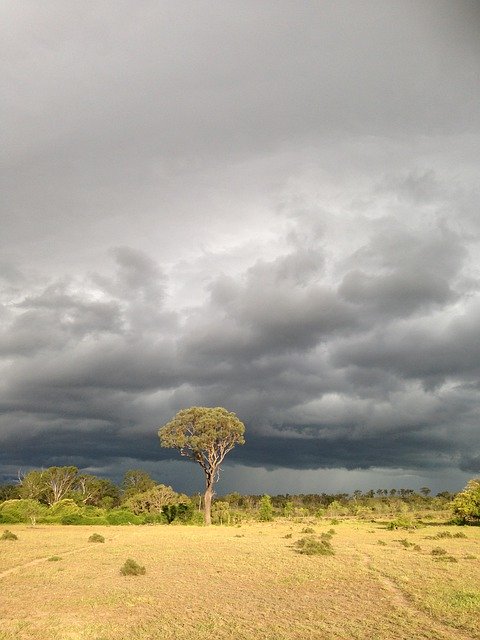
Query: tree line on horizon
x=204 y=435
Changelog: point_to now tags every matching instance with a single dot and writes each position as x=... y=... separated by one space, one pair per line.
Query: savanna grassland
x=247 y=582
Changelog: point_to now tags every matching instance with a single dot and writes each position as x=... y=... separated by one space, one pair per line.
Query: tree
x=154 y=500
x=466 y=504
x=97 y=491
x=265 y=513
x=136 y=481
x=205 y=435
x=49 y=485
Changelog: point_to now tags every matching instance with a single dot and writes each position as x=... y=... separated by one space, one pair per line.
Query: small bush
x=381 y=542
x=401 y=523
x=288 y=535
x=131 y=568
x=459 y=534
x=446 y=559
x=307 y=530
x=8 y=535
x=331 y=532
x=96 y=537
x=310 y=546
x=54 y=558
x=334 y=521
x=438 y=551
x=405 y=543
x=417 y=547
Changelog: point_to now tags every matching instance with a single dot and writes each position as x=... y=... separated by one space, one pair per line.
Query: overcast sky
x=269 y=206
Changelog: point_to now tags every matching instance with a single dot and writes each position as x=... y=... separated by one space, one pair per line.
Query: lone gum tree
x=205 y=435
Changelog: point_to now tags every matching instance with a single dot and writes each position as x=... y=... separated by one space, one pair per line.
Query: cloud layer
x=264 y=207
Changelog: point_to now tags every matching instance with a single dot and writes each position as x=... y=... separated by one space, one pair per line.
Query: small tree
x=205 y=435
x=467 y=503
x=265 y=513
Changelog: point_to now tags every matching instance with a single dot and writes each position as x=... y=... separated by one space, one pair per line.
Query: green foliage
x=157 y=500
x=54 y=558
x=96 y=537
x=466 y=504
x=136 y=481
x=21 y=510
x=123 y=516
x=198 y=430
x=311 y=546
x=402 y=522
x=221 y=512
x=132 y=568
x=265 y=512
x=8 y=535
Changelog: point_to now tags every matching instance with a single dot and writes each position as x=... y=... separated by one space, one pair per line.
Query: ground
x=247 y=583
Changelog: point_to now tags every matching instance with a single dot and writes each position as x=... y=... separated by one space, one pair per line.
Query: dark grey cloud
x=264 y=206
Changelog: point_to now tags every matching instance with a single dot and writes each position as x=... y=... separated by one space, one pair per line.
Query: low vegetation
x=132 y=568
x=55 y=586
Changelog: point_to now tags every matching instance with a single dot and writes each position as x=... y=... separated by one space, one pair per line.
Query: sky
x=268 y=206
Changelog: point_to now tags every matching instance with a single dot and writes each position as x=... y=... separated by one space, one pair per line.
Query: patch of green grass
x=466 y=600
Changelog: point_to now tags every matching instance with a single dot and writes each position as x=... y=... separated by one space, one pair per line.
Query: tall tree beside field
x=205 y=435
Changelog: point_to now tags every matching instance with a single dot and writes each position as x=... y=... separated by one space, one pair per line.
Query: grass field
x=243 y=582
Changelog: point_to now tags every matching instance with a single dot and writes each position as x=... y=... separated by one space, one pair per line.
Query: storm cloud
x=269 y=207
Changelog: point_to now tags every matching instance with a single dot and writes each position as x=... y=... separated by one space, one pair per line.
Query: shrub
x=80 y=518
x=307 y=530
x=54 y=558
x=466 y=504
x=310 y=546
x=27 y=510
x=132 y=568
x=96 y=537
x=438 y=551
x=401 y=522
x=123 y=516
x=265 y=513
x=8 y=535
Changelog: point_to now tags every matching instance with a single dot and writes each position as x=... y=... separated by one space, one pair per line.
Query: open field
x=243 y=582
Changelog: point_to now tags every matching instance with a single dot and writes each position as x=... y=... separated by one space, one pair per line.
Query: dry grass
x=246 y=583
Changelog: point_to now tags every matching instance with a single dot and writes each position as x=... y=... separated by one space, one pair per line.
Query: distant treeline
x=67 y=496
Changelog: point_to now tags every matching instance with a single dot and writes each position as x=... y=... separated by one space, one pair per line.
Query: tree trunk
x=208 y=501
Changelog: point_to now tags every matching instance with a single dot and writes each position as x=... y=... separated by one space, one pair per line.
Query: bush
x=123 y=516
x=438 y=551
x=466 y=504
x=310 y=546
x=131 y=568
x=401 y=522
x=8 y=535
x=307 y=530
x=13 y=511
x=80 y=518
x=96 y=537
x=265 y=513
